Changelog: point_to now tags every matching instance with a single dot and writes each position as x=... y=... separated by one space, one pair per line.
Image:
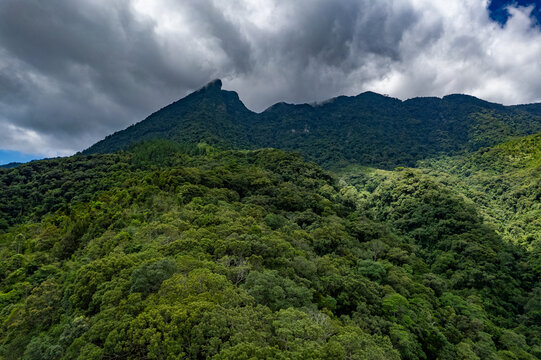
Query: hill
x=10 y=165
x=504 y=181
x=209 y=114
x=180 y=251
x=368 y=129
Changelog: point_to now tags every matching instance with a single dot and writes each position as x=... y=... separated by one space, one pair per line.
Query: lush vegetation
x=187 y=252
x=367 y=129
x=504 y=182
x=182 y=249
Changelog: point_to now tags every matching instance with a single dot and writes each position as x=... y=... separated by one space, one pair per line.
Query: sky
x=72 y=72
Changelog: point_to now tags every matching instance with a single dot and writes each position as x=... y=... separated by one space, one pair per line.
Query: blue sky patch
x=499 y=13
x=8 y=156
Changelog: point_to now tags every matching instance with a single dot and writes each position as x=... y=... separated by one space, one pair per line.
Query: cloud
x=73 y=72
x=471 y=55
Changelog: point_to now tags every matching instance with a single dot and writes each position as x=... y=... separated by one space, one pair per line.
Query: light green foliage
x=458 y=221
x=504 y=182
x=179 y=252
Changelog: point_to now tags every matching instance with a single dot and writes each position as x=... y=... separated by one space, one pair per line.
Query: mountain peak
x=215 y=84
x=469 y=99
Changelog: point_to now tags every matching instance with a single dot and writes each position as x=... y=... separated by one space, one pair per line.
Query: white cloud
x=472 y=55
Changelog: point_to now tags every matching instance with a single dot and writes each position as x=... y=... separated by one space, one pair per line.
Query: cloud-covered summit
x=73 y=72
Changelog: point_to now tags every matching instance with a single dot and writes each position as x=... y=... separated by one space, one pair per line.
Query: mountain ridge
x=369 y=128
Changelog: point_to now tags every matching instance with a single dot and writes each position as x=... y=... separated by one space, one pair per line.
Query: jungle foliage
x=169 y=251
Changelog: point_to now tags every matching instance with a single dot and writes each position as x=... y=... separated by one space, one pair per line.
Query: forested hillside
x=502 y=184
x=505 y=183
x=169 y=251
x=368 y=129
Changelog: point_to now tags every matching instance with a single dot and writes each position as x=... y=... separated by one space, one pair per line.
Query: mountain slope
x=368 y=129
x=162 y=252
x=209 y=114
x=430 y=206
x=504 y=181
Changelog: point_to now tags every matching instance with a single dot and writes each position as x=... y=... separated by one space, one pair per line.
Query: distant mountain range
x=11 y=165
x=369 y=128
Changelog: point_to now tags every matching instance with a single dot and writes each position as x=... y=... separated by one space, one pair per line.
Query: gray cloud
x=73 y=72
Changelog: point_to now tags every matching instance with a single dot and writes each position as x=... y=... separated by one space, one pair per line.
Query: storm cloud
x=71 y=72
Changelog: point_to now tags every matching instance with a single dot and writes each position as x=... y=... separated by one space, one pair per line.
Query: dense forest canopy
x=180 y=251
x=187 y=236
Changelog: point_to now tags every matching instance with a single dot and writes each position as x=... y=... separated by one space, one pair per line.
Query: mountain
x=10 y=165
x=198 y=241
x=368 y=129
x=209 y=114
